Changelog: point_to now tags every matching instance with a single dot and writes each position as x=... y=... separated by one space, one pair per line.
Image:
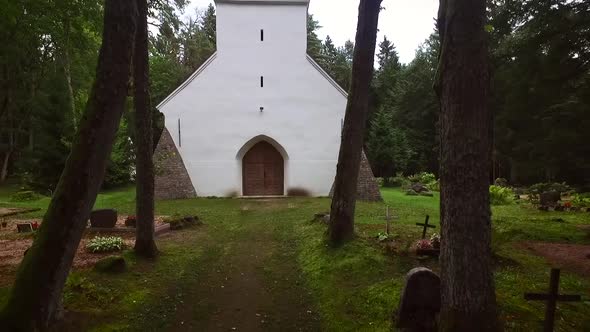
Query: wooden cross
x=551 y=300
x=426 y=226
x=388 y=218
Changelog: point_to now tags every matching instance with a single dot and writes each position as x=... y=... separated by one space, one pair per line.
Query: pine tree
x=37 y=291
x=145 y=244
x=341 y=227
x=467 y=284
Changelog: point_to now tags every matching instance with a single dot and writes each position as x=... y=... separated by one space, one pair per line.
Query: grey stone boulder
x=419 y=187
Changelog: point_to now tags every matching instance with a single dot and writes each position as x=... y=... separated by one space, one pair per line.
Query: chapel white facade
x=260 y=117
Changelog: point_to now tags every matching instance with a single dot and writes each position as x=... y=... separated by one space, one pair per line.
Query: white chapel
x=260 y=117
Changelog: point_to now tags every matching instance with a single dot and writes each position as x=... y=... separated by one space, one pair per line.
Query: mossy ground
x=293 y=280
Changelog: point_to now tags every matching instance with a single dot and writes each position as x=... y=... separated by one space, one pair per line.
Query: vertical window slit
x=262 y=81
x=261 y=34
x=179 y=136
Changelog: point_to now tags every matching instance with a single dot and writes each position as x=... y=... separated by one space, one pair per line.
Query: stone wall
x=367 y=187
x=172 y=179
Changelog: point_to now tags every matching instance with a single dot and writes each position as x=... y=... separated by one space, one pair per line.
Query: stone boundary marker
x=162 y=229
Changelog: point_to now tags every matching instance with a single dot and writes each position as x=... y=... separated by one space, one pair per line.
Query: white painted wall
x=220 y=108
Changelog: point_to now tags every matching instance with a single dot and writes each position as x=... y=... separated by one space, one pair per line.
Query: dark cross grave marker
x=426 y=226
x=552 y=298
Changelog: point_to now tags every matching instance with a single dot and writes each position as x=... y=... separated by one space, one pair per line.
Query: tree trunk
x=66 y=67
x=467 y=284
x=38 y=287
x=4 y=170
x=341 y=227
x=145 y=245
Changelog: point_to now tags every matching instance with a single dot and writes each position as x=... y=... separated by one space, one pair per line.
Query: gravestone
x=24 y=228
x=549 y=198
x=420 y=302
x=419 y=188
x=106 y=218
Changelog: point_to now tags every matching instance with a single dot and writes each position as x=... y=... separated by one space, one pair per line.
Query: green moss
x=111 y=264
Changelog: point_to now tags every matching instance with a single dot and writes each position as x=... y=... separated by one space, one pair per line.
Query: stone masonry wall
x=172 y=179
x=367 y=187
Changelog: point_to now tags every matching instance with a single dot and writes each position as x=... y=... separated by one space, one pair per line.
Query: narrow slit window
x=179 y=136
x=262 y=81
x=261 y=34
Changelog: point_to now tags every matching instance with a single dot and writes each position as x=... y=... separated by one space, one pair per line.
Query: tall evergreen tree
x=145 y=244
x=341 y=226
x=37 y=290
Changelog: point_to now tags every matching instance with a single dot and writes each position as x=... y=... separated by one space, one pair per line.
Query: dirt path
x=252 y=284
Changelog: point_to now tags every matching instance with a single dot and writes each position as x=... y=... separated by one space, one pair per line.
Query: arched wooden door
x=263 y=170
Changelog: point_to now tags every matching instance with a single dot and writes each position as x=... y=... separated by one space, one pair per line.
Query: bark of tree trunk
x=341 y=227
x=5 y=161
x=38 y=287
x=467 y=284
x=145 y=244
x=67 y=65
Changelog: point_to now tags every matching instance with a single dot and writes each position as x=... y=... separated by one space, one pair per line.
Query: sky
x=408 y=23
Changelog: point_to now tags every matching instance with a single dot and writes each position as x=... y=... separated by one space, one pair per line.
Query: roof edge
x=187 y=81
x=265 y=2
x=327 y=76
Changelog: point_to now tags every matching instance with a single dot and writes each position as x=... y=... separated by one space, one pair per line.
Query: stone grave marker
x=549 y=198
x=106 y=218
x=24 y=227
x=420 y=302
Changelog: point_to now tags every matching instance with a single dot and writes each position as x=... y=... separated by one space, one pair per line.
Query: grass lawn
x=263 y=265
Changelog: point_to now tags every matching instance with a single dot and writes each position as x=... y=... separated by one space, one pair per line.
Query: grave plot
x=573 y=257
x=428 y=246
x=16 y=237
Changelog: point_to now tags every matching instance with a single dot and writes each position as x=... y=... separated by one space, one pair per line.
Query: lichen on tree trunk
x=341 y=226
x=38 y=287
x=145 y=245
x=467 y=285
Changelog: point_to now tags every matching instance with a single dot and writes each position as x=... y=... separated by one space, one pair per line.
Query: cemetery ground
x=262 y=265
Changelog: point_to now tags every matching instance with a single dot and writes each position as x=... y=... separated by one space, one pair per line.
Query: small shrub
x=540 y=188
x=581 y=201
x=382 y=237
x=423 y=177
x=25 y=196
x=105 y=244
x=501 y=195
x=434 y=185
x=399 y=180
x=380 y=181
x=298 y=192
